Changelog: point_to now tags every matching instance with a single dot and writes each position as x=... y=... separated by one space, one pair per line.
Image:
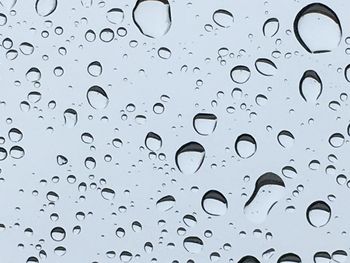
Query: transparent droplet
x=153 y=141
x=245 y=146
x=214 y=203
x=193 y=244
x=204 y=123
x=166 y=203
x=270 y=27
x=189 y=157
x=70 y=118
x=318 y=214
x=285 y=139
x=265 y=67
x=115 y=15
x=223 y=18
x=45 y=7
x=95 y=69
x=58 y=234
x=336 y=140
x=310 y=86
x=240 y=74
x=108 y=194
x=289 y=258
x=97 y=98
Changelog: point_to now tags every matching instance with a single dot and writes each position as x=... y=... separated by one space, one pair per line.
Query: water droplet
x=45 y=7
x=95 y=69
x=204 y=123
x=15 y=135
x=193 y=244
x=189 y=157
x=270 y=27
x=16 y=152
x=223 y=18
x=152 y=17
x=265 y=67
x=70 y=118
x=214 y=203
x=107 y=194
x=322 y=257
x=97 y=98
x=245 y=146
x=289 y=258
x=153 y=141
x=240 y=74
x=318 y=214
x=115 y=16
x=248 y=259
x=269 y=189
x=317 y=28
x=285 y=139
x=58 y=234
x=310 y=86
x=336 y=140
x=166 y=203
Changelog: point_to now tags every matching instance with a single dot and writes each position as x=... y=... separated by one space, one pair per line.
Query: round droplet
x=193 y=244
x=322 y=257
x=310 y=86
x=97 y=98
x=95 y=69
x=189 y=157
x=115 y=16
x=317 y=28
x=214 y=203
x=3 y=153
x=15 y=135
x=164 y=53
x=336 y=140
x=240 y=74
x=318 y=214
x=16 y=152
x=223 y=18
x=270 y=27
x=204 y=123
x=285 y=139
x=245 y=146
x=58 y=234
x=152 y=17
x=153 y=141
x=45 y=7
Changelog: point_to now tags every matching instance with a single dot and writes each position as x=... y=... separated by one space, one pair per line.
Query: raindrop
x=214 y=203
x=115 y=16
x=97 y=97
x=223 y=18
x=45 y=7
x=240 y=74
x=336 y=140
x=153 y=141
x=204 y=123
x=107 y=194
x=164 y=53
x=322 y=257
x=318 y=214
x=95 y=69
x=245 y=146
x=16 y=152
x=70 y=118
x=310 y=86
x=15 y=135
x=152 y=17
x=289 y=258
x=193 y=244
x=189 y=157
x=265 y=67
x=285 y=139
x=248 y=259
x=3 y=153
x=270 y=27
x=166 y=203
x=317 y=28
x=58 y=234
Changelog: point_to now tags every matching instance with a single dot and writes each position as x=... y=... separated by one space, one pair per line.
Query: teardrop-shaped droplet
x=265 y=67
x=153 y=141
x=97 y=97
x=152 y=17
x=318 y=213
x=189 y=157
x=204 y=123
x=193 y=244
x=70 y=118
x=45 y=7
x=269 y=189
x=270 y=27
x=166 y=203
x=285 y=139
x=240 y=74
x=318 y=28
x=310 y=86
x=223 y=18
x=245 y=146
x=214 y=203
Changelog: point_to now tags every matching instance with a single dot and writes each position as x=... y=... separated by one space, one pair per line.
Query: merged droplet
x=189 y=157
x=310 y=86
x=245 y=146
x=153 y=141
x=45 y=7
x=270 y=27
x=193 y=244
x=318 y=213
x=204 y=123
x=152 y=17
x=317 y=28
x=265 y=67
x=97 y=98
x=285 y=139
x=269 y=189
x=223 y=18
x=240 y=74
x=214 y=203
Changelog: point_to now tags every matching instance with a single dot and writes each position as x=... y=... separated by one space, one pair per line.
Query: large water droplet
x=214 y=203
x=269 y=189
x=97 y=97
x=204 y=123
x=310 y=86
x=152 y=17
x=317 y=28
x=153 y=141
x=193 y=244
x=318 y=213
x=189 y=157
x=45 y=7
x=245 y=146
x=249 y=259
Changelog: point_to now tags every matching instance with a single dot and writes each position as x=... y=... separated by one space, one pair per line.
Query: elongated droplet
x=310 y=86
x=153 y=141
x=204 y=123
x=45 y=7
x=70 y=118
x=193 y=244
x=318 y=214
x=269 y=189
x=285 y=139
x=265 y=67
x=97 y=98
x=152 y=17
x=245 y=146
x=214 y=203
x=189 y=157
x=270 y=27
x=166 y=203
x=223 y=18
x=318 y=28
